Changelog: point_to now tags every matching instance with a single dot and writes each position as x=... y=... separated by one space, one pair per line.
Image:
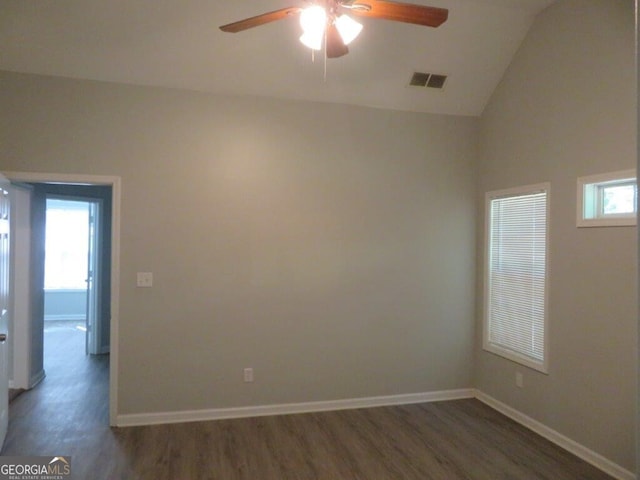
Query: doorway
x=75 y=261
x=73 y=270
x=103 y=195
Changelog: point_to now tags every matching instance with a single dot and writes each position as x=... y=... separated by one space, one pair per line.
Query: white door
x=5 y=207
x=92 y=343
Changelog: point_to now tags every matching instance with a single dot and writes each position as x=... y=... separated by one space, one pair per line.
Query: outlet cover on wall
x=144 y=280
x=519 y=380
x=248 y=374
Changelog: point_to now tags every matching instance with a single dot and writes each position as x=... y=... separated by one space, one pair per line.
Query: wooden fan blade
x=401 y=12
x=260 y=20
x=335 y=45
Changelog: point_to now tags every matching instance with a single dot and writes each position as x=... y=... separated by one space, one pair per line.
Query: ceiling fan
x=327 y=20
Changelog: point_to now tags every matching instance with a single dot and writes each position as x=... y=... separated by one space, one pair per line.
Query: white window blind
x=516 y=275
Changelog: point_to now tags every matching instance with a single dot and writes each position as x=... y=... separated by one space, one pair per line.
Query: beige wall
x=566 y=108
x=331 y=248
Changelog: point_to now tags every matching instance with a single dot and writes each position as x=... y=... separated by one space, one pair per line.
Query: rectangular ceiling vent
x=428 y=80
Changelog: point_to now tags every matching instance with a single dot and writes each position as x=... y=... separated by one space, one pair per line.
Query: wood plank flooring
x=464 y=439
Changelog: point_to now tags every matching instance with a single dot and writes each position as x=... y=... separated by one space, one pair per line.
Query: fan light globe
x=312 y=40
x=313 y=19
x=348 y=28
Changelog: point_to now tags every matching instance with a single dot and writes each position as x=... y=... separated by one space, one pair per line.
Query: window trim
x=598 y=181
x=541 y=366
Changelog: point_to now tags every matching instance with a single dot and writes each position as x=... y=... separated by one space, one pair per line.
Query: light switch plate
x=144 y=280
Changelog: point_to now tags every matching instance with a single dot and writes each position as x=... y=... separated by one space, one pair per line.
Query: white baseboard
x=36 y=379
x=129 y=420
x=572 y=446
x=597 y=460
x=66 y=317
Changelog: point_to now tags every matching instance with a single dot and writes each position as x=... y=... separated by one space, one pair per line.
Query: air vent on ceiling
x=428 y=80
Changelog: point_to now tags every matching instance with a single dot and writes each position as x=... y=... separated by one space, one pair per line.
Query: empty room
x=409 y=257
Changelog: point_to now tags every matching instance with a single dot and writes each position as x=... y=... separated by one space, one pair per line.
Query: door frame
x=115 y=184
x=94 y=318
x=5 y=301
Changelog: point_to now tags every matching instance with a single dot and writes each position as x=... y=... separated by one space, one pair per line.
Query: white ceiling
x=178 y=44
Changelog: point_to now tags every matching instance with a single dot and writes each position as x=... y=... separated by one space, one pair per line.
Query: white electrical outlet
x=248 y=374
x=144 y=280
x=519 y=380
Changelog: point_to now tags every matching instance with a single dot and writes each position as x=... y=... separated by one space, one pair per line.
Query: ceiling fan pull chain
x=325 y=58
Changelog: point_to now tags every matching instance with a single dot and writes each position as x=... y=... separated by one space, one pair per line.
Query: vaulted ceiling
x=178 y=44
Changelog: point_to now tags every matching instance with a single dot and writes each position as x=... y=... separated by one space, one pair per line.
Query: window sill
x=607 y=222
x=515 y=357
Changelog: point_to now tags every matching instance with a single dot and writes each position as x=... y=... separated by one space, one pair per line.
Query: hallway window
x=66 y=247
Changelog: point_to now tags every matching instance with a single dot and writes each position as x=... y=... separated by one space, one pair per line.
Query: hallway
x=68 y=412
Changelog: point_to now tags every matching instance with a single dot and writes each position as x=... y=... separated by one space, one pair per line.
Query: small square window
x=608 y=199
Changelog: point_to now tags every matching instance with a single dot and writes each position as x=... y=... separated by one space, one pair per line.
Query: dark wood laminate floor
x=67 y=415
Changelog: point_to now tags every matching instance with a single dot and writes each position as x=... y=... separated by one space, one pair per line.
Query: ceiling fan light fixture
x=348 y=28
x=313 y=40
x=313 y=19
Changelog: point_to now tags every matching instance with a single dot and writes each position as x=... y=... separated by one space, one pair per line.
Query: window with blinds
x=516 y=275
